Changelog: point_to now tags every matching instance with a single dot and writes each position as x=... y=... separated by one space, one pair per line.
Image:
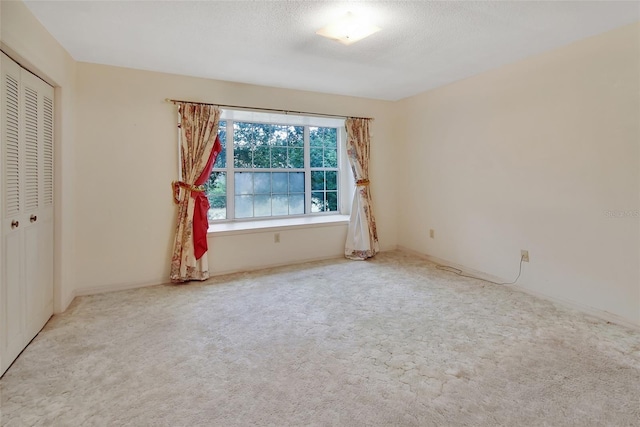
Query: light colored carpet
x=392 y=341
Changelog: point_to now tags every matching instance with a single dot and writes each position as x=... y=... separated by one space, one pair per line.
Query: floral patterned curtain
x=362 y=236
x=199 y=147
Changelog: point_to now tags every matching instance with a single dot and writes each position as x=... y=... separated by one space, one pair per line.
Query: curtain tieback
x=180 y=184
x=362 y=183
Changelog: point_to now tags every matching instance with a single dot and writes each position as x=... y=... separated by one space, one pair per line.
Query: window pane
x=222 y=132
x=296 y=204
x=262 y=205
x=296 y=136
x=279 y=157
x=242 y=155
x=261 y=157
x=317 y=201
x=243 y=183
x=317 y=180
x=296 y=158
x=242 y=133
x=280 y=205
x=327 y=137
x=316 y=157
x=218 y=209
x=330 y=158
x=262 y=183
x=296 y=182
x=252 y=142
x=244 y=206
x=330 y=137
x=221 y=160
x=278 y=134
x=216 y=190
x=332 y=200
x=315 y=136
x=279 y=182
x=332 y=180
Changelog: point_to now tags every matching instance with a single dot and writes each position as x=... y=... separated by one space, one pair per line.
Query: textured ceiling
x=422 y=44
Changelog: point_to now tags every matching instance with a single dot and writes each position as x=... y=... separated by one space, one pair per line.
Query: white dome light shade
x=348 y=29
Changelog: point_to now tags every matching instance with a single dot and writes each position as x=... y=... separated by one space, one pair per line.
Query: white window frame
x=346 y=183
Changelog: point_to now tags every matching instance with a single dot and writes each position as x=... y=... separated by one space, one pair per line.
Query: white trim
x=436 y=260
x=346 y=182
x=118 y=287
x=596 y=312
x=229 y=170
x=265 y=225
x=307 y=170
x=282 y=118
x=67 y=303
x=269 y=266
x=161 y=282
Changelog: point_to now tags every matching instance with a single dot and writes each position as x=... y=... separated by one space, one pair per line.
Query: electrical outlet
x=432 y=233
x=524 y=255
x=276 y=238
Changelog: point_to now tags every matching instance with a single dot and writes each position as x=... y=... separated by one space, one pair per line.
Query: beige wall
x=528 y=156
x=127 y=158
x=256 y=249
x=532 y=156
x=26 y=41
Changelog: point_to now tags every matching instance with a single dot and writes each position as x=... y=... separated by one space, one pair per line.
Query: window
x=275 y=165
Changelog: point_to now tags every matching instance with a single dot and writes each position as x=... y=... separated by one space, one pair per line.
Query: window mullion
x=345 y=175
x=230 y=172
x=307 y=172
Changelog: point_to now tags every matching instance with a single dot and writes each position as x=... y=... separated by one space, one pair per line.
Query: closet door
x=37 y=107
x=26 y=209
x=45 y=213
x=12 y=295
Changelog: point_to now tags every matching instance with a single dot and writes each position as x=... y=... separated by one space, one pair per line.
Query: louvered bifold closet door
x=45 y=309
x=26 y=252
x=12 y=292
x=38 y=238
x=47 y=148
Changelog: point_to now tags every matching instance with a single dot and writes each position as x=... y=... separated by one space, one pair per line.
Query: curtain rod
x=173 y=101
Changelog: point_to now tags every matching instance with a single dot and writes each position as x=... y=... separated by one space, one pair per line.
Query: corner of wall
x=29 y=43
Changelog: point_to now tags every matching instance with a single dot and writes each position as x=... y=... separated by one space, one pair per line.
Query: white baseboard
x=118 y=287
x=65 y=303
x=601 y=314
x=596 y=312
x=70 y=298
x=440 y=261
x=93 y=290
x=267 y=266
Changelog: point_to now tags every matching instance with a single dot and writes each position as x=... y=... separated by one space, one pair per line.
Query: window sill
x=246 y=227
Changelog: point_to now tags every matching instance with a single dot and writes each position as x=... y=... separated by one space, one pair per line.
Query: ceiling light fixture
x=348 y=29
